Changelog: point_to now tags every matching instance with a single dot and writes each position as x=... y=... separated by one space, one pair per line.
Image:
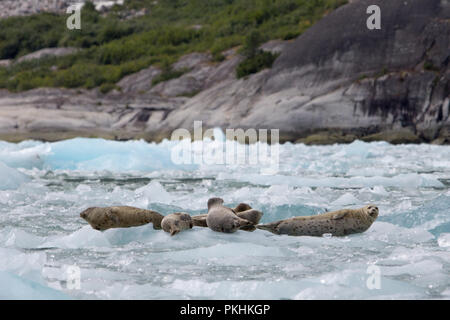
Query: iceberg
x=11 y=178
x=45 y=186
x=15 y=287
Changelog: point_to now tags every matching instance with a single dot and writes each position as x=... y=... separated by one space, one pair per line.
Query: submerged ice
x=44 y=187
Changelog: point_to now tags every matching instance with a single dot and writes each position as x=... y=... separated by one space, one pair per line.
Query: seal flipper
x=252 y=215
x=242 y=207
x=271 y=227
x=200 y=221
x=340 y=215
x=248 y=228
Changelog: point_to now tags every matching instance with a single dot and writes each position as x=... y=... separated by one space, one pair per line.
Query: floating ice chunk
x=227 y=253
x=278 y=195
x=10 y=178
x=366 y=172
x=154 y=192
x=421 y=268
x=122 y=236
x=116 y=156
x=27 y=154
x=356 y=149
x=14 y=237
x=349 y=284
x=352 y=284
x=26 y=265
x=345 y=200
x=432 y=214
x=120 y=291
x=387 y=232
x=83 y=188
x=444 y=240
x=83 y=238
x=408 y=180
x=236 y=289
x=380 y=190
x=15 y=287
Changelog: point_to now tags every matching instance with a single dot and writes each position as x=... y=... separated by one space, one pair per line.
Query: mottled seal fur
x=176 y=222
x=242 y=210
x=223 y=219
x=337 y=223
x=120 y=217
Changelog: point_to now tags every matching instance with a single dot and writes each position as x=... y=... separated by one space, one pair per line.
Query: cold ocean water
x=45 y=247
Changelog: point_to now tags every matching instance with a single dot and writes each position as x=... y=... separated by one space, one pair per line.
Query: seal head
x=176 y=222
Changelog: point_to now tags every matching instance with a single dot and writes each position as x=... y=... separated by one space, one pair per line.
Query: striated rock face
x=47 y=52
x=337 y=82
x=390 y=78
x=340 y=76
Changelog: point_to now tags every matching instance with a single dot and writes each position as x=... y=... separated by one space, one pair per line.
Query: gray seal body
x=223 y=219
x=242 y=210
x=338 y=223
x=120 y=217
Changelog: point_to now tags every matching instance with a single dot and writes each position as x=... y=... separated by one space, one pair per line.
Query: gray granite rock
x=337 y=82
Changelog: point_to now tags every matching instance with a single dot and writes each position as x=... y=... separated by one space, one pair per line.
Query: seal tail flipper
x=242 y=207
x=251 y=215
x=200 y=221
x=271 y=227
x=248 y=228
x=245 y=223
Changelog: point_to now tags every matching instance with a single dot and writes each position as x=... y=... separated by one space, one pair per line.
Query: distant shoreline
x=320 y=138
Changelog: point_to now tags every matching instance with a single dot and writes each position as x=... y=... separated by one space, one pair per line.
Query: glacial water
x=44 y=187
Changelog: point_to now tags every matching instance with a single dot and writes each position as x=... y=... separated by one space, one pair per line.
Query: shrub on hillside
x=261 y=60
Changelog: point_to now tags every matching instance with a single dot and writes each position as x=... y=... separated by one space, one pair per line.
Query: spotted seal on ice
x=242 y=210
x=338 y=223
x=223 y=219
x=176 y=222
x=120 y=217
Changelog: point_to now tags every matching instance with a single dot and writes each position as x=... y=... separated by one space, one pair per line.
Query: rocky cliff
x=336 y=82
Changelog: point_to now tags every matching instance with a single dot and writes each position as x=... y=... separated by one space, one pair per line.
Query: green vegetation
x=113 y=47
x=261 y=60
x=255 y=58
x=167 y=74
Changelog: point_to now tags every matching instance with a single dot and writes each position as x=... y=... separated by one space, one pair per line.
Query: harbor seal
x=252 y=215
x=338 y=223
x=120 y=217
x=223 y=219
x=242 y=210
x=176 y=222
